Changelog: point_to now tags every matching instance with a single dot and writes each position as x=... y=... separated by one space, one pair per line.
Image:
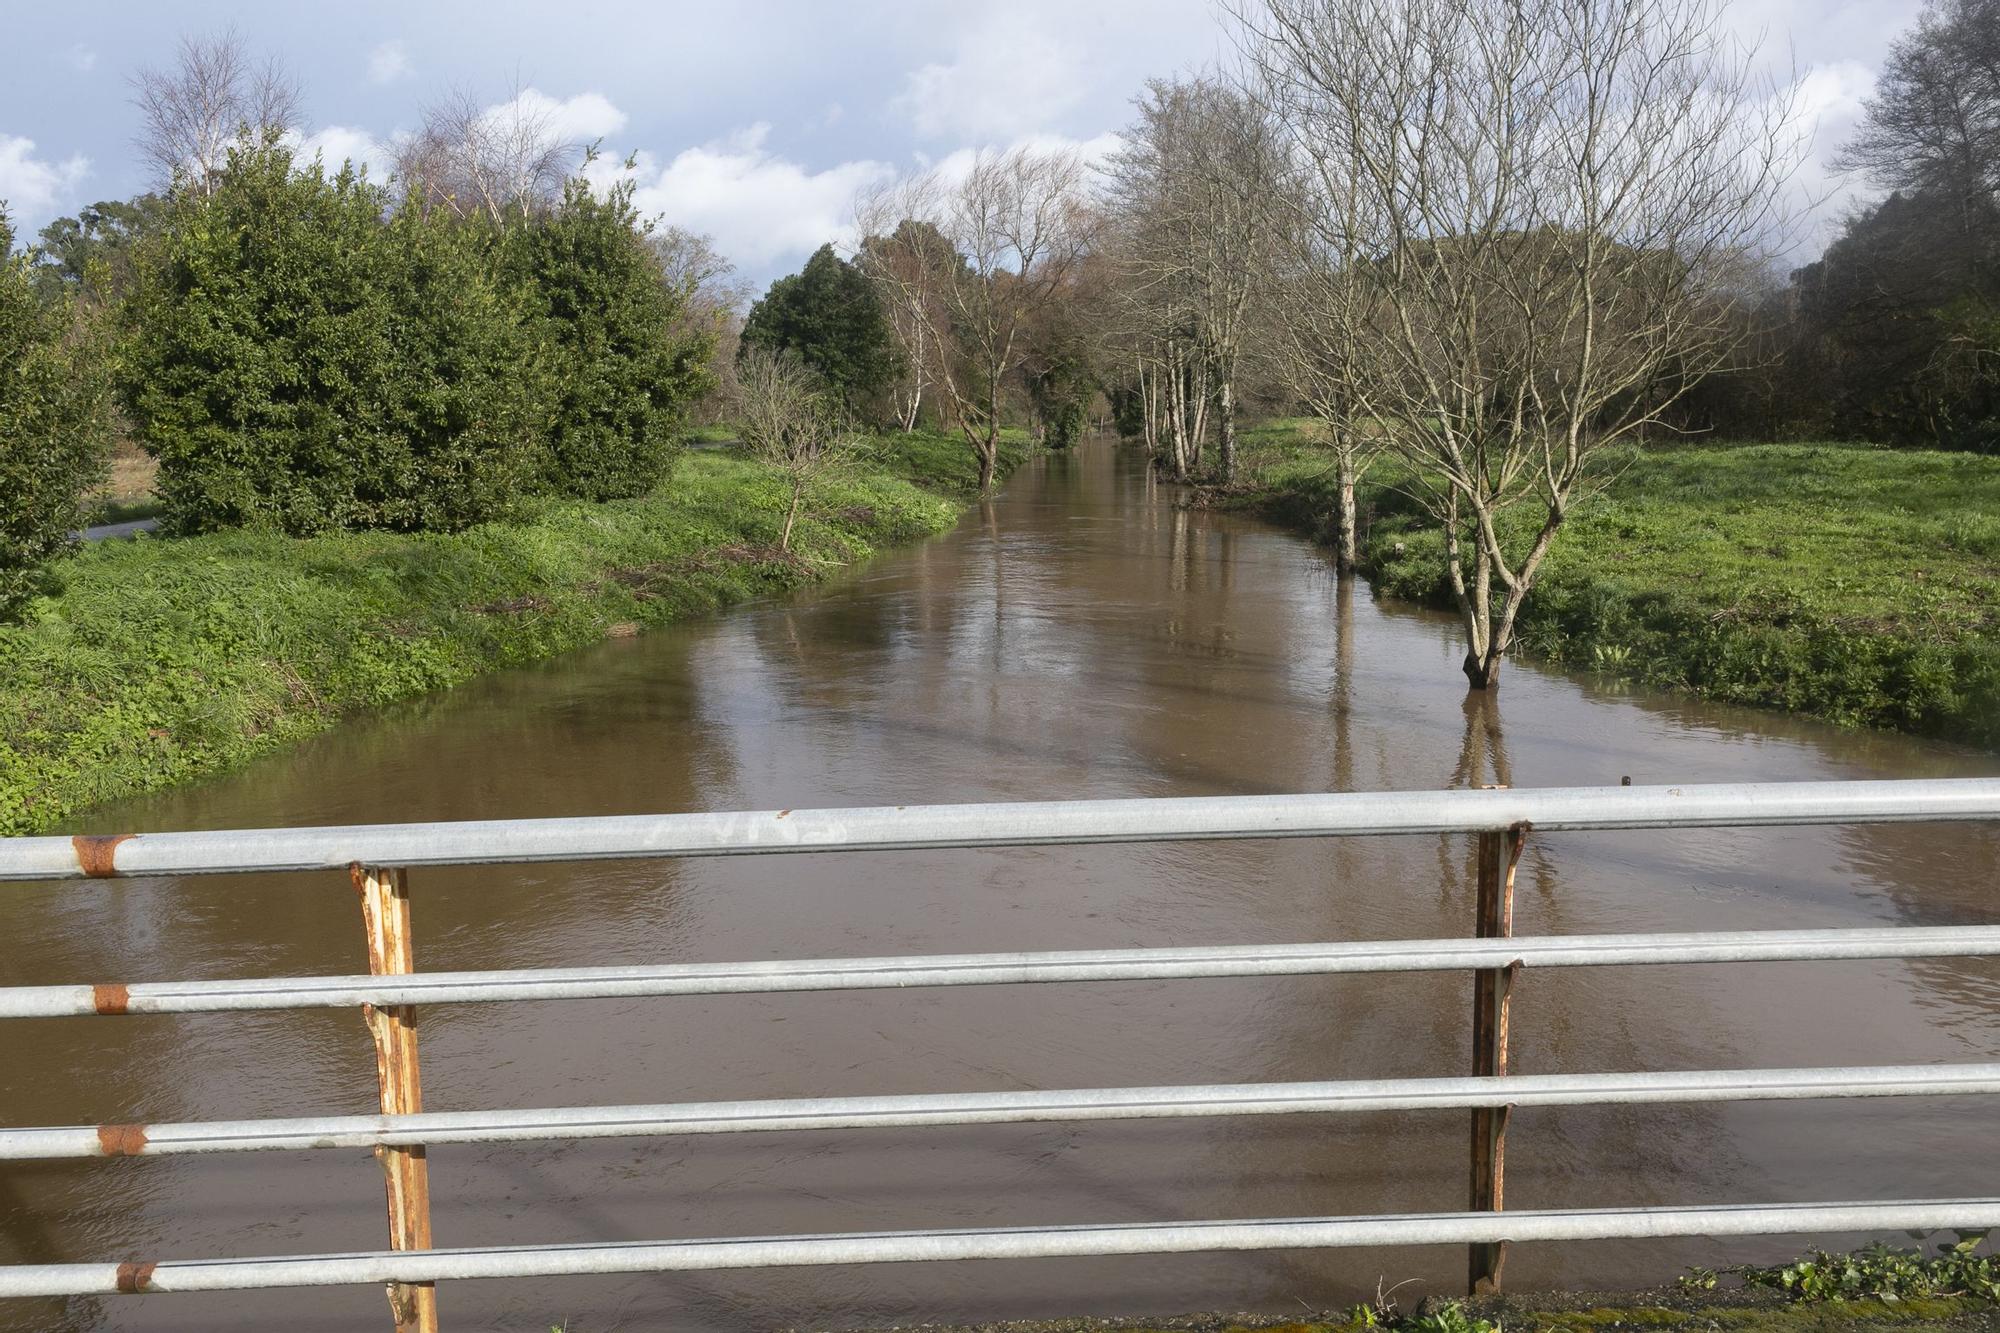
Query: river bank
x=160 y=662
x=1565 y=1312
x=1845 y=582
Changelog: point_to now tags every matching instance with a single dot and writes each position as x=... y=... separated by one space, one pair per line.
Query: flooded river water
x=1078 y=637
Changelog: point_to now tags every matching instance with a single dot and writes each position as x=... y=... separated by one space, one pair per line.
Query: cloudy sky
x=753 y=120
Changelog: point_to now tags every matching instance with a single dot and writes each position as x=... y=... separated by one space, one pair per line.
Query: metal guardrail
x=1500 y=818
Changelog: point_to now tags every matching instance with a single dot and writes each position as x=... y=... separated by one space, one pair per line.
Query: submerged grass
x=158 y=662
x=1857 y=584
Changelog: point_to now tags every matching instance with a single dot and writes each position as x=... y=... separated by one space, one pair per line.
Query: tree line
x=1499 y=242
x=304 y=349
x=1495 y=241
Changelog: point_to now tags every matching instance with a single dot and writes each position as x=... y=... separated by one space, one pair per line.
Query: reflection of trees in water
x=1935 y=875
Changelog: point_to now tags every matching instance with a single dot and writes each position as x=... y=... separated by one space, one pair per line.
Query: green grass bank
x=1855 y=584
x=1559 y=1313
x=159 y=662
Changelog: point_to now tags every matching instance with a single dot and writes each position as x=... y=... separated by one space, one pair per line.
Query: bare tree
x=910 y=267
x=711 y=303
x=474 y=159
x=1547 y=205
x=790 y=420
x=1934 y=122
x=1193 y=180
x=214 y=96
x=1017 y=223
x=1312 y=276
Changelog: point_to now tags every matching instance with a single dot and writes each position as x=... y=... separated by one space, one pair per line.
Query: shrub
x=297 y=362
x=625 y=367
x=54 y=423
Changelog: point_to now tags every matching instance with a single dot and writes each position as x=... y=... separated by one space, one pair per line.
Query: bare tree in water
x=1547 y=209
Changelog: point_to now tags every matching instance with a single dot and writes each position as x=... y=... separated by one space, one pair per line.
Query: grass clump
x=161 y=661
x=1856 y=584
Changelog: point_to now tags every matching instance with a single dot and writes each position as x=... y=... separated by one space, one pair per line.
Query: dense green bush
x=830 y=317
x=296 y=361
x=624 y=366
x=54 y=423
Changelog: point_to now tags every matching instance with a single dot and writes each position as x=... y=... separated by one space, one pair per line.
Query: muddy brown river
x=1078 y=637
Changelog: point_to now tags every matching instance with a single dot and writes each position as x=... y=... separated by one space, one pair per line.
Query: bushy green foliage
x=829 y=316
x=624 y=368
x=54 y=423
x=1856 y=584
x=163 y=661
x=297 y=362
x=94 y=251
x=1883 y=1273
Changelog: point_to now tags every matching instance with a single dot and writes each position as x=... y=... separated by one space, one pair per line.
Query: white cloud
x=581 y=119
x=82 y=59
x=1007 y=79
x=760 y=207
x=388 y=62
x=35 y=188
x=338 y=144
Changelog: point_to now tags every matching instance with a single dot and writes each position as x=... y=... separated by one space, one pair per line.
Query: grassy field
x=163 y=661
x=1857 y=584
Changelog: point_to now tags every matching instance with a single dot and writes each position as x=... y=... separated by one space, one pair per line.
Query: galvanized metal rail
x=377 y=857
x=996 y=1108
x=889 y=1247
x=1025 y=824
x=993 y=969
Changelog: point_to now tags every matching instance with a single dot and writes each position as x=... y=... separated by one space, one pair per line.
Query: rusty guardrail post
x=1499 y=853
x=385 y=919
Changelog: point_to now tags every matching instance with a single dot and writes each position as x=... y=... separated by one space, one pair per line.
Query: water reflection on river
x=1078 y=637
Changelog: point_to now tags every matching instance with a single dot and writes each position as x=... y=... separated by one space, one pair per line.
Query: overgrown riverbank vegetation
x=1850 y=582
x=158 y=661
x=1956 y=1287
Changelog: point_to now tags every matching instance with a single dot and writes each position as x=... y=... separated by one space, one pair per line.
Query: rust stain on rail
x=134 y=1277
x=122 y=1140
x=111 y=998
x=97 y=853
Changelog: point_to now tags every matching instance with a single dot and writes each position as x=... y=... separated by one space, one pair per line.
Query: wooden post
x=385 y=919
x=1499 y=853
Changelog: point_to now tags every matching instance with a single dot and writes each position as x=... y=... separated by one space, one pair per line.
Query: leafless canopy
x=1017 y=225
x=474 y=159
x=788 y=419
x=215 y=95
x=1542 y=210
x=1191 y=194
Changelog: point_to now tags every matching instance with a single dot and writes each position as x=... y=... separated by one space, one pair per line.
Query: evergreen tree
x=828 y=316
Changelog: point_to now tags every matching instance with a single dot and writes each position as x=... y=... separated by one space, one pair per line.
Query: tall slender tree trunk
x=989 y=455
x=1346 y=551
x=1226 y=420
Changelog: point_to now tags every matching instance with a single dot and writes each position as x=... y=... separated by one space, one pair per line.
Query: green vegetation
x=622 y=373
x=162 y=661
x=55 y=407
x=1856 y=584
x=829 y=316
x=302 y=357
x=1880 y=1273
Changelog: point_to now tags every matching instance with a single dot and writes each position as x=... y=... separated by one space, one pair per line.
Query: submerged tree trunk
x=1226 y=420
x=988 y=448
x=1346 y=553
